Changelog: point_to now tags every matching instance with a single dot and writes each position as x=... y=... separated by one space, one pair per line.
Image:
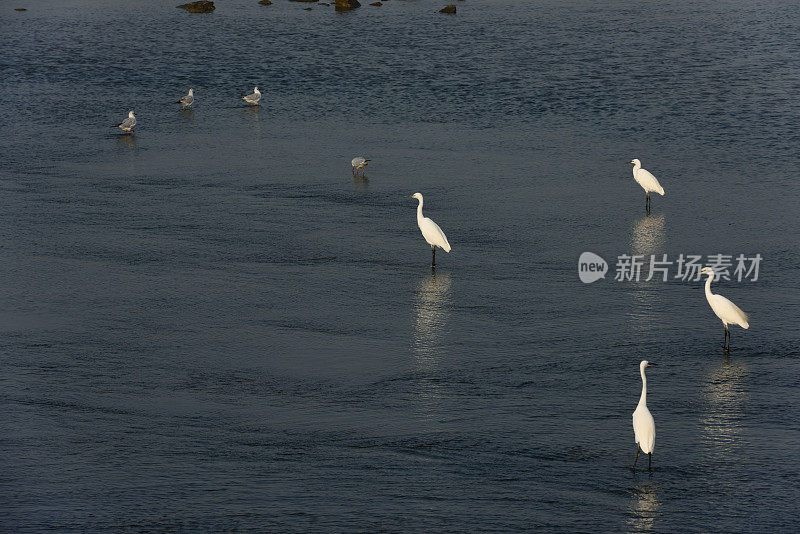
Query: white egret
x=128 y=124
x=188 y=100
x=644 y=427
x=359 y=163
x=648 y=182
x=727 y=311
x=430 y=231
x=253 y=97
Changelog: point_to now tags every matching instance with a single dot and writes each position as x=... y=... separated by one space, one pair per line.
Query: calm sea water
x=211 y=325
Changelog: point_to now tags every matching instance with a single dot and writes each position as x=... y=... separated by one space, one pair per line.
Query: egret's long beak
x=410 y=196
x=651 y=363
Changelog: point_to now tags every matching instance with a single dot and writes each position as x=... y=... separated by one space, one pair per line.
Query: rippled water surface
x=211 y=325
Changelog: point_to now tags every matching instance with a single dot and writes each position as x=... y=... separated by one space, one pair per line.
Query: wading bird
x=128 y=124
x=359 y=163
x=253 y=97
x=648 y=182
x=430 y=231
x=188 y=100
x=644 y=427
x=727 y=311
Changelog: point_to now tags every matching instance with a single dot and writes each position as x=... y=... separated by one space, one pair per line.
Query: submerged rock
x=345 y=5
x=376 y=4
x=265 y=3
x=198 y=7
x=448 y=9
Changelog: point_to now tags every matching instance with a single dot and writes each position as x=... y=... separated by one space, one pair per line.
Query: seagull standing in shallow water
x=430 y=231
x=188 y=100
x=128 y=124
x=648 y=182
x=253 y=97
x=359 y=163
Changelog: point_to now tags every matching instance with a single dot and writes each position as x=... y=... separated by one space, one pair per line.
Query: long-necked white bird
x=430 y=231
x=128 y=124
x=188 y=100
x=644 y=427
x=253 y=97
x=648 y=182
x=359 y=163
x=727 y=311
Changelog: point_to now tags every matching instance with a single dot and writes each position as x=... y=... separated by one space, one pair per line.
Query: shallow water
x=210 y=324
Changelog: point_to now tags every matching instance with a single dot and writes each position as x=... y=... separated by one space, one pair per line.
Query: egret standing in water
x=727 y=311
x=644 y=427
x=128 y=124
x=188 y=100
x=359 y=163
x=430 y=231
x=648 y=182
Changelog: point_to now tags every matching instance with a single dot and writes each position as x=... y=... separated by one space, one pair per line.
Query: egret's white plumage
x=253 y=97
x=359 y=163
x=128 y=124
x=727 y=311
x=188 y=100
x=430 y=230
x=646 y=179
x=644 y=427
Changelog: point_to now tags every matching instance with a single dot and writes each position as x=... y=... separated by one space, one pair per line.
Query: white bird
x=253 y=97
x=128 y=124
x=188 y=100
x=727 y=311
x=359 y=163
x=648 y=182
x=644 y=427
x=430 y=231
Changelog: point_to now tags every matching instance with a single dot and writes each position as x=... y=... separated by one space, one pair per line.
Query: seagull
x=128 y=124
x=188 y=100
x=253 y=98
x=430 y=231
x=648 y=182
x=359 y=163
x=727 y=311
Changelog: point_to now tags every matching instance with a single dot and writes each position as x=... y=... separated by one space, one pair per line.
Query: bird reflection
x=647 y=239
x=127 y=141
x=431 y=308
x=186 y=114
x=648 y=236
x=643 y=510
x=725 y=394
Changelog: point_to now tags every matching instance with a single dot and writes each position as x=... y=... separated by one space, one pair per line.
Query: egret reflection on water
x=431 y=312
x=431 y=309
x=648 y=235
x=725 y=395
x=644 y=508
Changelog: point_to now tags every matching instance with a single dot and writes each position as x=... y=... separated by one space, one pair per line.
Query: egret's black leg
x=647 y=204
x=433 y=261
x=649 y=461
x=637 y=457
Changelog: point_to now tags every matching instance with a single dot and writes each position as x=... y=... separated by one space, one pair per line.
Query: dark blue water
x=211 y=325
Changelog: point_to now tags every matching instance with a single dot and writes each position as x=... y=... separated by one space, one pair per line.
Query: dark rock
x=20 y=9
x=198 y=7
x=304 y=0
x=346 y=5
x=265 y=3
x=376 y=4
x=448 y=9
x=307 y=9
